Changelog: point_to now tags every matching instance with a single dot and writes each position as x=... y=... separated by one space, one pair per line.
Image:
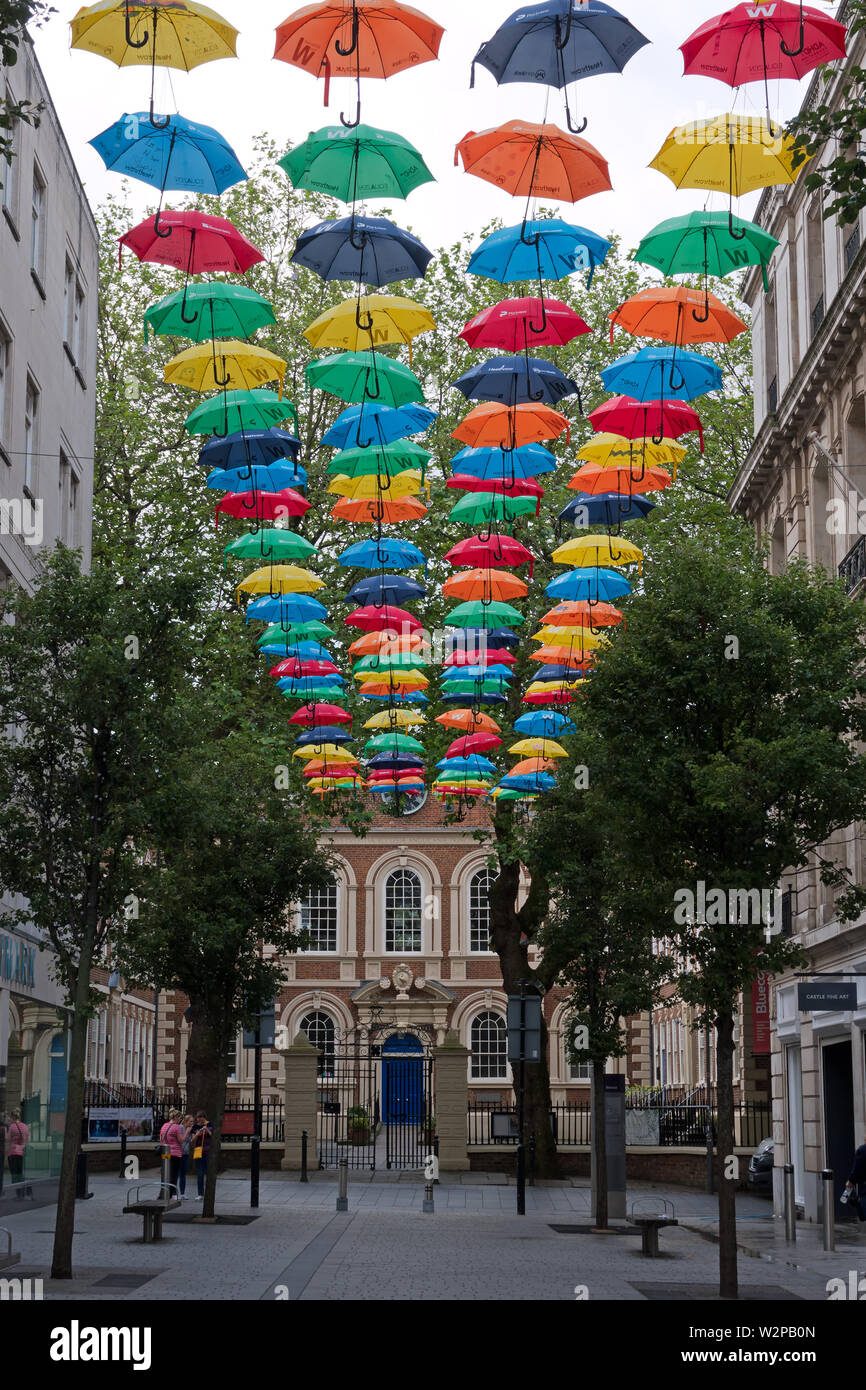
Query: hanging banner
x=761 y=1015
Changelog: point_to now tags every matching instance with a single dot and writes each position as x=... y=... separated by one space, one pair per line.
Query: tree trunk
x=64 y=1227
x=728 y=1287
x=599 y=1144
x=206 y=1074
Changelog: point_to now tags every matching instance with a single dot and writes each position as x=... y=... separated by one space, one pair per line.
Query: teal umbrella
x=213 y=309
x=701 y=244
x=233 y=411
x=368 y=163
x=365 y=376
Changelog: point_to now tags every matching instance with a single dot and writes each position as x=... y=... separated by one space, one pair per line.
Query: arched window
x=479 y=910
x=403 y=911
x=578 y=1070
x=318 y=917
x=489 y=1045
x=319 y=1031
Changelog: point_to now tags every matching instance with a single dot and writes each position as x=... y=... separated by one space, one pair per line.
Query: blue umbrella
x=386 y=588
x=534 y=782
x=368 y=424
x=474 y=763
x=590 y=585
x=556 y=673
x=516 y=380
x=372 y=555
x=250 y=447
x=179 y=154
x=606 y=509
x=459 y=697
x=288 y=608
x=272 y=479
x=559 y=42
x=323 y=734
x=305 y=685
x=546 y=249
x=662 y=373
x=515 y=464
x=456 y=673
x=544 y=723
x=404 y=697
x=365 y=250
x=307 y=651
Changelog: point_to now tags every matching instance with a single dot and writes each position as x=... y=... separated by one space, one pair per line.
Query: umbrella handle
x=575 y=129
x=358 y=245
x=795 y=52
x=372 y=395
x=365 y=444
x=163 y=236
x=532 y=328
x=561 y=40
x=364 y=327
x=737 y=236
x=158 y=125
x=221 y=381
x=133 y=43
x=705 y=316
x=672 y=383
x=533 y=240
x=353 y=44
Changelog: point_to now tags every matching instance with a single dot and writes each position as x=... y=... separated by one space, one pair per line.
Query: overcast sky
x=629 y=115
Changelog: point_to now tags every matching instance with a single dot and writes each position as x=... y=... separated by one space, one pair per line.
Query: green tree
x=840 y=124
x=15 y=15
x=735 y=701
x=89 y=672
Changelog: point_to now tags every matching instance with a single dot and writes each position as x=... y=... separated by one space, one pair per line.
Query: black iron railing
x=852 y=568
x=679 y=1125
x=772 y=396
x=99 y=1095
x=817 y=314
x=852 y=246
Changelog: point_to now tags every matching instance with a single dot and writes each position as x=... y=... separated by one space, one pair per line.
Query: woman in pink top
x=17 y=1139
x=171 y=1136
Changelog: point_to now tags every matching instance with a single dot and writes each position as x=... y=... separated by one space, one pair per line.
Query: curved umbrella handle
x=561 y=40
x=353 y=43
x=705 y=316
x=358 y=245
x=531 y=241
x=372 y=395
x=364 y=443
x=672 y=383
x=221 y=381
x=133 y=43
x=364 y=327
x=158 y=125
x=737 y=236
x=795 y=52
x=532 y=328
x=163 y=236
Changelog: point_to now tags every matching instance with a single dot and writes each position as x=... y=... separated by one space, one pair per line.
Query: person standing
x=188 y=1123
x=856 y=1184
x=17 y=1139
x=171 y=1136
x=201 y=1137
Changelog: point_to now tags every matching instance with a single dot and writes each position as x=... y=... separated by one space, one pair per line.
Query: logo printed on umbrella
x=761 y=11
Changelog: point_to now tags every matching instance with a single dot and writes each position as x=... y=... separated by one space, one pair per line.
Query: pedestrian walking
x=201 y=1137
x=188 y=1122
x=855 y=1187
x=171 y=1136
x=17 y=1139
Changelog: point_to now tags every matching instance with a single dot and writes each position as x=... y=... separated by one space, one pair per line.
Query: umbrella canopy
x=470 y=744
x=528 y=461
x=225 y=364
x=192 y=241
x=210 y=310
x=370 y=319
x=624 y=478
x=607 y=509
x=395 y=719
x=663 y=373
x=285 y=610
x=385 y=461
x=701 y=243
x=514 y=380
x=366 y=250
x=378 y=511
x=250 y=447
x=616 y=449
x=280 y=579
x=321 y=714
x=372 y=555
x=239 y=410
x=294 y=632
x=496 y=550
x=304 y=666
x=376 y=38
x=356 y=164
x=581 y=614
x=535 y=161
x=393 y=743
x=591 y=585
x=512 y=324
x=756 y=43
x=266 y=506
x=169 y=152
x=639 y=420
x=546 y=249
x=373 y=486
x=597 y=550
x=484 y=656
x=544 y=724
x=729 y=154
x=363 y=376
x=385 y=590
x=375 y=619
x=485 y=584
x=483 y=508
x=277 y=478
x=509 y=427
x=470 y=720
x=486 y=615
x=182 y=34
x=678 y=316
x=369 y=424
x=271 y=545
x=323 y=733
x=474 y=763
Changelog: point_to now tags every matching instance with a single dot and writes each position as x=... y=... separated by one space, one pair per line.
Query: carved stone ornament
x=402 y=975
x=384 y=983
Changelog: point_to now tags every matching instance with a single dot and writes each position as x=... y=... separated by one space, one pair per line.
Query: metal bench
x=152 y=1209
x=649 y=1223
x=11 y=1257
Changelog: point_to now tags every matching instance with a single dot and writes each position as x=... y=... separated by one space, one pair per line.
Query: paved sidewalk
x=473 y=1248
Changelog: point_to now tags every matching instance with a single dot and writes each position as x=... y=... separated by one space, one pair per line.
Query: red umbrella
x=314 y=715
x=550 y=697
x=518 y=487
x=513 y=324
x=486 y=656
x=472 y=743
x=646 y=419
x=263 y=506
x=373 y=619
x=194 y=242
x=496 y=550
x=295 y=667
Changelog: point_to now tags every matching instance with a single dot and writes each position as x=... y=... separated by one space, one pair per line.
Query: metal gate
x=348 y=1106
x=407 y=1103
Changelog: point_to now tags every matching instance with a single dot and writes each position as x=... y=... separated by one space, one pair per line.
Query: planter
x=359 y=1134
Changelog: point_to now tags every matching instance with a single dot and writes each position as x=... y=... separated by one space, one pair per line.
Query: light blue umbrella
x=368 y=424
x=590 y=585
x=662 y=373
x=517 y=464
x=545 y=249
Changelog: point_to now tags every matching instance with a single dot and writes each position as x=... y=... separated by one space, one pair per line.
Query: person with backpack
x=855 y=1187
x=171 y=1137
x=17 y=1139
x=201 y=1137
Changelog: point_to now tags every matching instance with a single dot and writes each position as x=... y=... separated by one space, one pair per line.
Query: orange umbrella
x=579 y=613
x=564 y=656
x=380 y=690
x=527 y=767
x=534 y=161
x=374 y=510
x=388 y=643
x=468 y=719
x=357 y=38
x=592 y=480
x=510 y=426
x=318 y=767
x=485 y=584
x=677 y=316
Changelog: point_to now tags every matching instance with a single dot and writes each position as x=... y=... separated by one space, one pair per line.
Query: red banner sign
x=761 y=1015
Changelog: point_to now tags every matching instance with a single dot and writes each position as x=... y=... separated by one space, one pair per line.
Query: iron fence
x=98 y=1095
x=348 y=1110
x=680 y=1125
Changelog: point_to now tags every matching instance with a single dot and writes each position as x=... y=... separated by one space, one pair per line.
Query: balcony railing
x=817 y=315
x=772 y=396
x=852 y=246
x=852 y=569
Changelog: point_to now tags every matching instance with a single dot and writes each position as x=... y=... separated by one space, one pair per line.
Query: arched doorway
x=402 y=1080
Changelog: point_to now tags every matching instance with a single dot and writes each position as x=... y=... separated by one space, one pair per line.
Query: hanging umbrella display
x=280 y=579
x=239 y=410
x=545 y=249
x=482 y=509
x=480 y=614
x=371 y=486
x=379 y=512
x=369 y=319
x=257 y=479
x=680 y=316
x=383 y=462
x=252 y=447
x=367 y=425
x=607 y=509
x=496 y=550
x=504 y=487
x=366 y=376
x=558 y=42
x=656 y=374
x=544 y=724
x=527 y=461
x=211 y=310
x=385 y=551
x=263 y=506
x=468 y=720
x=535 y=161
x=286 y=610
x=582 y=614
x=701 y=244
x=225 y=364
x=196 y=242
x=271 y=545
x=515 y=380
x=508 y=427
x=368 y=163
x=615 y=449
x=598 y=550
x=512 y=323
x=366 y=250
x=320 y=714
x=656 y=420
x=625 y=479
x=590 y=585
x=371 y=618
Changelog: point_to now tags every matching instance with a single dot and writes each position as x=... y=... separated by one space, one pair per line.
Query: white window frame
x=38 y=212
x=476 y=1057
x=308 y=906
x=403 y=950
x=471 y=908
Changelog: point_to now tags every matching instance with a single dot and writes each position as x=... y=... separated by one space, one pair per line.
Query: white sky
x=431 y=105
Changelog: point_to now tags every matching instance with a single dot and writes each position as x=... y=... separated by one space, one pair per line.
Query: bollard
x=343 y=1198
x=829 y=1213
x=165 y=1176
x=122 y=1173
x=427 y=1205
x=532 y=1159
x=436 y=1156
x=81 y=1192
x=790 y=1205
x=304 y=1177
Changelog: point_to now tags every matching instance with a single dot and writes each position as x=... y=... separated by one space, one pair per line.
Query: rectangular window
x=319 y=918
x=68 y=300
x=479 y=911
x=5 y=378
x=9 y=163
x=37 y=223
x=78 y=321
x=31 y=433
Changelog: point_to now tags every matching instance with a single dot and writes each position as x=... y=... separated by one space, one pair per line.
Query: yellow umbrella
x=162 y=33
x=542 y=747
x=578 y=637
x=392 y=676
x=407 y=484
x=371 y=321
x=401 y=718
x=280 y=579
x=605 y=449
x=231 y=364
x=329 y=751
x=551 y=687
x=731 y=154
x=591 y=551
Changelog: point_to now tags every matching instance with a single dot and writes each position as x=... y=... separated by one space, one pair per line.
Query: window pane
x=403 y=911
x=319 y=918
x=319 y=1030
x=489 y=1044
x=479 y=911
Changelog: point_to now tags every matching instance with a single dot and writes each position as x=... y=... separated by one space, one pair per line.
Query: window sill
x=34 y=276
x=5 y=457
x=79 y=375
x=13 y=226
x=69 y=353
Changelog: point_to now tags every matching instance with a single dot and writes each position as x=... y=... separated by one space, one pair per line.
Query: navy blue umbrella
x=517 y=380
x=559 y=42
x=380 y=589
x=367 y=424
x=252 y=446
x=324 y=734
x=469 y=638
x=395 y=761
x=606 y=509
x=556 y=673
x=365 y=250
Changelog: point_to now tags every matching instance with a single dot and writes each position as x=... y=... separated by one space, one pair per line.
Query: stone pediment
x=404 y=985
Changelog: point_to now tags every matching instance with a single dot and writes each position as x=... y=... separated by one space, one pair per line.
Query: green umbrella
x=393 y=743
x=215 y=309
x=311 y=693
x=365 y=376
x=366 y=163
x=295 y=632
x=400 y=661
x=701 y=244
x=479 y=508
x=234 y=411
x=509 y=794
x=386 y=458
x=271 y=544
x=478 y=614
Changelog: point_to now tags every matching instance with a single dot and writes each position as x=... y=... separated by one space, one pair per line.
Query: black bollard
x=304 y=1177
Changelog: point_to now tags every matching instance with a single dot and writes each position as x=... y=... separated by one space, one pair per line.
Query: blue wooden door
x=403 y=1080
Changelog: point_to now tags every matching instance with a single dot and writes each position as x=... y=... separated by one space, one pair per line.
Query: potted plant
x=359 y=1125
